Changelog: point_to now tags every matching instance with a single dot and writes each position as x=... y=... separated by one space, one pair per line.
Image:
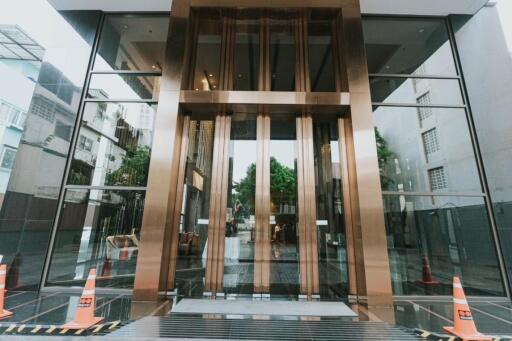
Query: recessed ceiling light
x=153 y=66
x=125 y=27
x=210 y=75
x=421 y=30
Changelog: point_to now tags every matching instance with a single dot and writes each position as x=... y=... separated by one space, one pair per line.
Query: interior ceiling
x=411 y=7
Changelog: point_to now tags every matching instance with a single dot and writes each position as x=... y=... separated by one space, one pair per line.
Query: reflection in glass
x=240 y=220
x=114 y=145
x=422 y=151
x=247 y=55
x=417 y=46
x=413 y=91
x=123 y=87
x=321 y=67
x=432 y=239
x=193 y=231
x=48 y=91
x=332 y=255
x=132 y=43
x=282 y=55
x=284 y=259
x=98 y=229
x=208 y=48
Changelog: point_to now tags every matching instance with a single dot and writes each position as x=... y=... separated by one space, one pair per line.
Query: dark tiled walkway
x=491 y=316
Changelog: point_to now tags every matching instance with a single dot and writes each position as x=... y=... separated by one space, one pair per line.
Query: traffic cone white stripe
x=459 y=301
x=2 y=286
x=88 y=292
x=3 y=272
x=91 y=277
x=457 y=285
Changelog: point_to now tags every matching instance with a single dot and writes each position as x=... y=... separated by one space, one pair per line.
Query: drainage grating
x=184 y=326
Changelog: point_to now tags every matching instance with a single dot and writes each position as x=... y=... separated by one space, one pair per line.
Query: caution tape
x=39 y=329
x=425 y=334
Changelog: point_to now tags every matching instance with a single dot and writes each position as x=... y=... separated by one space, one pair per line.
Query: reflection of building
x=434 y=206
x=20 y=58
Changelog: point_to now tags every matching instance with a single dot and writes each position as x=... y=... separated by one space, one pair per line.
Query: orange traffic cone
x=427 y=273
x=3 y=273
x=84 y=316
x=464 y=326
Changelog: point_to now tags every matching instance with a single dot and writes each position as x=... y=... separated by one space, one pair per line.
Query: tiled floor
x=491 y=316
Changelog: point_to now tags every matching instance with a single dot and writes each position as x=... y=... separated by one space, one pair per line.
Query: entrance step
x=249 y=307
x=188 y=327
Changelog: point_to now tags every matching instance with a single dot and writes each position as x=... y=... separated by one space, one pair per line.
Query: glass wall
x=436 y=219
x=194 y=220
x=241 y=221
x=487 y=66
x=101 y=213
x=284 y=258
x=44 y=56
x=330 y=211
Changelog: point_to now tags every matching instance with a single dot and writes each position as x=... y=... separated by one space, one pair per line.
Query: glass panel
x=132 y=43
x=332 y=257
x=247 y=55
x=417 y=46
x=240 y=224
x=39 y=102
x=412 y=143
x=193 y=232
x=284 y=260
x=432 y=239
x=486 y=58
x=321 y=67
x=282 y=55
x=114 y=145
x=209 y=43
x=123 y=87
x=415 y=91
x=98 y=229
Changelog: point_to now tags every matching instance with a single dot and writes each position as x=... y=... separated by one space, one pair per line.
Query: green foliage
x=133 y=170
x=384 y=154
x=282 y=185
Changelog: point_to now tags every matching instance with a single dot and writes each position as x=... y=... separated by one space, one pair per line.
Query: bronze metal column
x=153 y=254
x=374 y=284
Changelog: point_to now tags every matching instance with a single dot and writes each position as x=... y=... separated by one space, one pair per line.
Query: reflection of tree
x=133 y=170
x=80 y=173
x=283 y=187
x=383 y=155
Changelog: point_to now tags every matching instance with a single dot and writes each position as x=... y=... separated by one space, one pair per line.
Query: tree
x=383 y=156
x=133 y=170
x=283 y=186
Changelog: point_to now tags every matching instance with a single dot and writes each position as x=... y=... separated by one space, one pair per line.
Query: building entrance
x=261 y=185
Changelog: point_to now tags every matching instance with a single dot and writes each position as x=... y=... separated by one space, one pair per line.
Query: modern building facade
x=328 y=149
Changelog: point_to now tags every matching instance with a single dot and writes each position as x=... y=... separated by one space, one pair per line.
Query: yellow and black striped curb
x=445 y=337
x=40 y=329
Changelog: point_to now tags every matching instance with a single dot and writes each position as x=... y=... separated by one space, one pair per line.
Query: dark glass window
x=247 y=55
x=282 y=55
x=418 y=46
x=98 y=229
x=321 y=67
x=421 y=91
x=132 y=43
x=451 y=236
x=206 y=75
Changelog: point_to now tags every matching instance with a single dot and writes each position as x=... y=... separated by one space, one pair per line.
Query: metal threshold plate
x=248 y=307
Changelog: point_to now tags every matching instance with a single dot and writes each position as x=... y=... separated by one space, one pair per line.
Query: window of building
x=8 y=156
x=430 y=141
x=424 y=112
x=437 y=178
x=84 y=143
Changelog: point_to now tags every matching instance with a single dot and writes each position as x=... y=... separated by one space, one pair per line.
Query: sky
x=505 y=11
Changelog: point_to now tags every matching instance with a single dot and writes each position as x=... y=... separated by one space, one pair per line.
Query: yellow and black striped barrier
x=425 y=334
x=40 y=329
